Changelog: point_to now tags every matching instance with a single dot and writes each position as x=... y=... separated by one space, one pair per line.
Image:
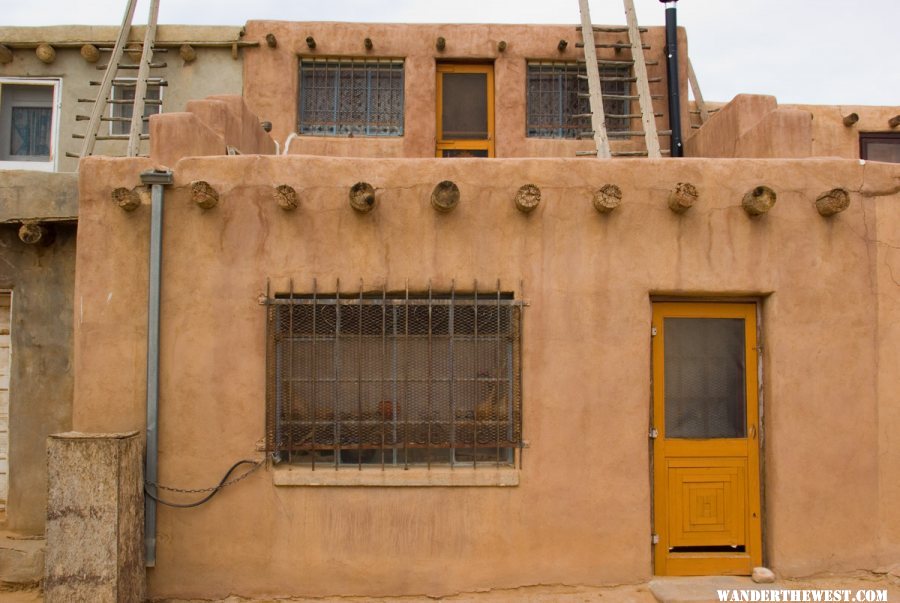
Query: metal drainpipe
x=677 y=148
x=157 y=179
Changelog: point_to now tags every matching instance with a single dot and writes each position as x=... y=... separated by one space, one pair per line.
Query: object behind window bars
x=556 y=96
x=348 y=97
x=394 y=379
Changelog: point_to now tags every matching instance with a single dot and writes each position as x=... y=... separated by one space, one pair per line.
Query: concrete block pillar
x=95 y=518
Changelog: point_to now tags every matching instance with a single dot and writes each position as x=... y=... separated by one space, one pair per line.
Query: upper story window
x=28 y=123
x=880 y=146
x=394 y=379
x=556 y=94
x=123 y=90
x=351 y=97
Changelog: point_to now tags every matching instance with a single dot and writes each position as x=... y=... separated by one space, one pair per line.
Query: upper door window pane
x=705 y=389
x=351 y=97
x=557 y=94
x=26 y=122
x=465 y=106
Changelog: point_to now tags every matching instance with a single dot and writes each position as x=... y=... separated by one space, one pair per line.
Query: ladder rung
x=75 y=155
x=693 y=127
x=103 y=118
x=618 y=46
x=651 y=80
x=127 y=50
x=697 y=111
x=630 y=115
x=607 y=29
x=117 y=137
x=615 y=63
x=618 y=115
x=120 y=101
x=626 y=133
x=117 y=101
x=638 y=153
x=152 y=66
x=152 y=81
x=623 y=96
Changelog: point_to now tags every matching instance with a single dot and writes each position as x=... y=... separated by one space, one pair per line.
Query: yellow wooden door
x=465 y=110
x=706 y=450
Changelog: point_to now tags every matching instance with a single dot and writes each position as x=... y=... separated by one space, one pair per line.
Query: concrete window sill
x=485 y=476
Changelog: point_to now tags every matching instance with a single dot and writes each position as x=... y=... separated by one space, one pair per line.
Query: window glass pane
x=464 y=106
x=352 y=97
x=26 y=122
x=556 y=95
x=883 y=150
x=705 y=393
x=126 y=111
x=30 y=131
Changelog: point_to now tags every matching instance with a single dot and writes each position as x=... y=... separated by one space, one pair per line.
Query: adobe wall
x=213 y=72
x=271 y=80
x=755 y=125
x=42 y=280
x=581 y=512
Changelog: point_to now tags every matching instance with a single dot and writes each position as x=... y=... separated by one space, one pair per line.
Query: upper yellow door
x=706 y=449
x=465 y=110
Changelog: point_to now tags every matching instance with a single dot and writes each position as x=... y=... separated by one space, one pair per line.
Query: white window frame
x=51 y=165
x=112 y=106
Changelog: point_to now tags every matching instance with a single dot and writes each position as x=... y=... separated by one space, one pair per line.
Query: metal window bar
x=450 y=361
x=554 y=107
x=350 y=97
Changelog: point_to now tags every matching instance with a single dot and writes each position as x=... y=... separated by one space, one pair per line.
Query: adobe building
x=456 y=356
x=42 y=104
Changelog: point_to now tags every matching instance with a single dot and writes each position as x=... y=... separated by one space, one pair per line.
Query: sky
x=802 y=51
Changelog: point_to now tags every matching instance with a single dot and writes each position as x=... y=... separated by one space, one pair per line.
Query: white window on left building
x=29 y=123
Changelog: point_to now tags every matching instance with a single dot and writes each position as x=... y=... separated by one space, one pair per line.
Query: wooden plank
x=698 y=96
x=90 y=136
x=598 y=119
x=140 y=91
x=640 y=72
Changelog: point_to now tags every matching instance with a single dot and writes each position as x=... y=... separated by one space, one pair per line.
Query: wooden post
x=643 y=86
x=140 y=90
x=698 y=96
x=90 y=136
x=598 y=118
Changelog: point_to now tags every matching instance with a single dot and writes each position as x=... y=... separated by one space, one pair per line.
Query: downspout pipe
x=677 y=148
x=158 y=180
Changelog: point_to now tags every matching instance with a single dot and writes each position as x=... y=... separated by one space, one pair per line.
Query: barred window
x=124 y=90
x=348 y=97
x=394 y=379
x=556 y=95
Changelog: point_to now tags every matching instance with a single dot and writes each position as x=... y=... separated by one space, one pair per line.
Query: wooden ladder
x=641 y=80
x=112 y=68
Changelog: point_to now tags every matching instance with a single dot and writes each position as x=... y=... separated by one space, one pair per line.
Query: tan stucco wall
x=754 y=125
x=271 y=80
x=213 y=72
x=581 y=512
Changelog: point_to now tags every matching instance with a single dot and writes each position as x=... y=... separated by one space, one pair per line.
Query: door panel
x=465 y=110
x=705 y=455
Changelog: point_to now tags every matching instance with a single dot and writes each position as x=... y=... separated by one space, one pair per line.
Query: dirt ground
x=633 y=593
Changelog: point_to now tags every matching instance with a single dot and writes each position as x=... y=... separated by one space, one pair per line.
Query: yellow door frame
x=732 y=463
x=472 y=144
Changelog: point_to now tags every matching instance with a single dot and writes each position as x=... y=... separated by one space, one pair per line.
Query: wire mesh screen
x=557 y=94
x=705 y=389
x=351 y=97
x=394 y=379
